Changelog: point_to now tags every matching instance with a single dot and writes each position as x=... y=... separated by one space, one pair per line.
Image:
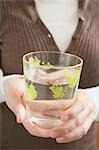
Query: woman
x=27 y=26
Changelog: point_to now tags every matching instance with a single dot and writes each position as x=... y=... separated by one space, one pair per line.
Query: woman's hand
x=15 y=99
x=77 y=119
x=77 y=115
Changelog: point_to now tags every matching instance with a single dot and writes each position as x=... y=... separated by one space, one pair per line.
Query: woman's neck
x=60 y=17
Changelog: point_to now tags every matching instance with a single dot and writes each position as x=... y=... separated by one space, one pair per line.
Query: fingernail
x=18 y=119
x=59 y=140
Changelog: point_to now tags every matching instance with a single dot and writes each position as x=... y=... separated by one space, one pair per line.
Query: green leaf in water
x=47 y=66
x=72 y=77
x=31 y=92
x=58 y=91
x=34 y=61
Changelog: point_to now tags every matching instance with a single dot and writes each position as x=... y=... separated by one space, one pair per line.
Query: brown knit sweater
x=22 y=31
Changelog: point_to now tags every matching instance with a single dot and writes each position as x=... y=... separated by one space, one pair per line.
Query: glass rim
x=54 y=52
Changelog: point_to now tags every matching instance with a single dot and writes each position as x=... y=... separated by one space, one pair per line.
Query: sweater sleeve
x=2 y=95
x=2 y=80
x=94 y=92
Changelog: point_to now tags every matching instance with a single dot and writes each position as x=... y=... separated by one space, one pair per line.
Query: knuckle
x=73 y=113
x=70 y=127
x=78 y=121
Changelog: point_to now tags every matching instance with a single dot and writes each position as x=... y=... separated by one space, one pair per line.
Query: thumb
x=20 y=113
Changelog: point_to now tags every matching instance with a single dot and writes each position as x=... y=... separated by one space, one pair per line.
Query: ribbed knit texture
x=86 y=44
x=22 y=31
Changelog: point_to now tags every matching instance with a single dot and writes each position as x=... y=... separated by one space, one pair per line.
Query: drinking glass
x=51 y=78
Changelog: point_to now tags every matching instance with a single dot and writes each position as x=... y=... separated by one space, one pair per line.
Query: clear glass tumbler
x=51 y=78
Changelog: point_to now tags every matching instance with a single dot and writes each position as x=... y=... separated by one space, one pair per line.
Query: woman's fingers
x=57 y=77
x=78 y=132
x=35 y=130
x=70 y=124
x=20 y=113
x=73 y=111
x=81 y=103
x=53 y=113
x=76 y=120
x=50 y=105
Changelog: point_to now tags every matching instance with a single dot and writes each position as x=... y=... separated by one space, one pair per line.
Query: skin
x=77 y=115
x=77 y=119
